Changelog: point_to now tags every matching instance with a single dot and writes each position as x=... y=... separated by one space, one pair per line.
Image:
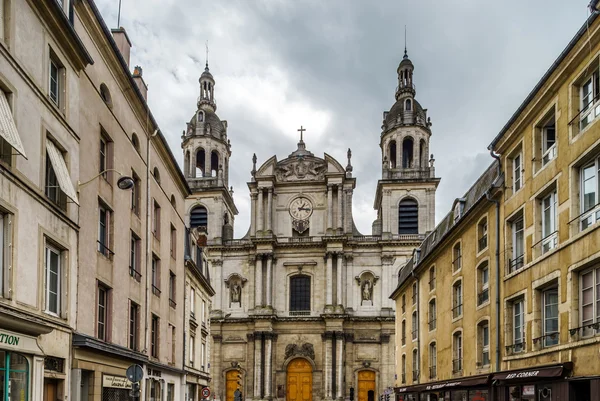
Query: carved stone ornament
x=235 y=283
x=301 y=169
x=366 y=281
x=305 y=349
x=235 y=364
x=300 y=225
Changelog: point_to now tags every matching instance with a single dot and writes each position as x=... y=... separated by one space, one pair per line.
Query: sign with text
x=116 y=382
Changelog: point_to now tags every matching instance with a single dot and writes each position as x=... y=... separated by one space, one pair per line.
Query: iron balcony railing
x=483 y=297
x=482 y=243
x=457 y=366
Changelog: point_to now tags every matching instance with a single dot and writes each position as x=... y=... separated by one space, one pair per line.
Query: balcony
x=457 y=311
x=482 y=243
x=135 y=274
x=589 y=217
x=515 y=348
x=547 y=340
x=172 y=303
x=483 y=297
x=155 y=290
x=457 y=263
x=516 y=263
x=457 y=366
x=204 y=182
x=299 y=313
x=409 y=173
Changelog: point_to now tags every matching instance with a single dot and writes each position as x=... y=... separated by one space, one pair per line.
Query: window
x=14 y=376
x=104 y=231
x=517 y=259
x=54 y=273
x=300 y=293
x=403 y=332
x=414 y=294
x=588 y=93
x=156 y=220
x=173 y=344
x=550 y=317
x=432 y=360
x=432 y=278
x=483 y=340
x=103 y=157
x=589 y=199
x=403 y=303
x=53 y=189
x=103 y=314
x=134 y=325
x=482 y=231
x=483 y=281
x=171 y=392
x=155 y=275
x=105 y=95
x=106 y=157
x=192 y=349
x=549 y=139
x=156 y=174
x=457 y=301
x=192 y=303
x=408 y=217
x=203 y=356
x=518 y=320
x=173 y=243
x=457 y=349
x=135 y=141
x=549 y=232
x=456 y=258
x=136 y=193
x=172 y=284
x=9 y=135
x=408 y=105
x=5 y=252
x=403 y=369
x=56 y=80
x=432 y=315
x=458 y=210
x=154 y=336
x=589 y=298
x=415 y=365
x=517 y=172
x=199 y=259
x=203 y=311
x=134 y=256
x=199 y=217
x=415 y=326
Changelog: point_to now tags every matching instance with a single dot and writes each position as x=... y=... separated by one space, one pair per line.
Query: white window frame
x=414 y=326
x=517 y=172
x=484 y=272
x=192 y=302
x=457 y=349
x=546 y=342
x=548 y=152
x=518 y=325
x=484 y=332
x=192 y=350
x=516 y=233
x=55 y=97
x=590 y=216
x=103 y=247
x=550 y=240
x=457 y=299
x=589 y=110
x=433 y=358
x=102 y=334
x=49 y=250
x=587 y=331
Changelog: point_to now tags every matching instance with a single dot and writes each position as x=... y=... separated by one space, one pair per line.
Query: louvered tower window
x=199 y=217
x=300 y=293
x=408 y=217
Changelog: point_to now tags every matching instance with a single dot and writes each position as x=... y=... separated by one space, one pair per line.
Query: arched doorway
x=299 y=380
x=366 y=385
x=231 y=383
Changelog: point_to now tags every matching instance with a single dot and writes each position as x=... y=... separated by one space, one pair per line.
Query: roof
x=398 y=109
x=212 y=119
x=471 y=198
x=545 y=77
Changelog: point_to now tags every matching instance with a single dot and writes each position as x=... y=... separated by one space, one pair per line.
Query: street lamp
x=125 y=182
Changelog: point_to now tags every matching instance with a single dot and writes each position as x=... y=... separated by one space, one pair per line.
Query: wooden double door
x=299 y=380
x=366 y=385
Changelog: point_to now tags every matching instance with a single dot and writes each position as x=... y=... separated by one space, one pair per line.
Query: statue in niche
x=236 y=293
x=235 y=284
x=367 y=291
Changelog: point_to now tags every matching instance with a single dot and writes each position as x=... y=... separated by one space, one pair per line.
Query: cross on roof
x=301 y=130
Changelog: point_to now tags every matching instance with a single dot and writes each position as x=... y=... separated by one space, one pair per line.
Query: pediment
x=303 y=168
x=267 y=168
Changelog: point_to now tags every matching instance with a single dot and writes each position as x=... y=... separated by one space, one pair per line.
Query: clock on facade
x=301 y=208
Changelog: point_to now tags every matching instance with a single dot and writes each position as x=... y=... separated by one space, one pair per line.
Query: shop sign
x=522 y=375
x=116 y=382
x=9 y=339
x=19 y=342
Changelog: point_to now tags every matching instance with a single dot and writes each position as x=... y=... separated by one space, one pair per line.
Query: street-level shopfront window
x=520 y=393
x=407 y=397
x=456 y=395
x=14 y=377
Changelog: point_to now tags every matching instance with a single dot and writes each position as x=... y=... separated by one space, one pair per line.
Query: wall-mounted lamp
x=125 y=182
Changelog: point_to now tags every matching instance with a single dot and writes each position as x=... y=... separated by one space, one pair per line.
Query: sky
x=330 y=66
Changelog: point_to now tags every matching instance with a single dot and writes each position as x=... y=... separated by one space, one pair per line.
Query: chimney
x=139 y=81
x=123 y=42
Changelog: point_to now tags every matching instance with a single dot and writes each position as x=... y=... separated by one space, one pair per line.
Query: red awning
x=473 y=381
x=533 y=373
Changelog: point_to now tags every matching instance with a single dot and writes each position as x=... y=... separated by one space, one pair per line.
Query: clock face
x=301 y=208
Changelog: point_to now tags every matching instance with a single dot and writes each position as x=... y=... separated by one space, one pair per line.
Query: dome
x=206 y=74
x=398 y=109
x=210 y=117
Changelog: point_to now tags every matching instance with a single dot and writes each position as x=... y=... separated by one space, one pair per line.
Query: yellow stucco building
x=522 y=323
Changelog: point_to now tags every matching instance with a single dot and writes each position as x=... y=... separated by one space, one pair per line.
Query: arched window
x=432 y=315
x=408 y=217
x=199 y=217
x=415 y=365
x=214 y=163
x=457 y=299
x=14 y=374
x=300 y=293
x=403 y=368
x=432 y=278
x=432 y=360
x=422 y=154
x=456 y=257
x=173 y=201
x=483 y=343
x=415 y=326
x=407 y=153
x=200 y=116
x=135 y=141
x=105 y=94
x=408 y=106
x=392 y=153
x=200 y=162
x=483 y=283
x=457 y=352
x=156 y=174
x=403 y=331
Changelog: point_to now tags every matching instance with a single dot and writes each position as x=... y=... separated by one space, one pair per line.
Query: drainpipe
x=412 y=273
x=497 y=203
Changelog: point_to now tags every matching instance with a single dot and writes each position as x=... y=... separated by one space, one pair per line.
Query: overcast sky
x=330 y=66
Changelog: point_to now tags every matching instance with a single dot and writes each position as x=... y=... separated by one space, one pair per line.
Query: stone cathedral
x=302 y=308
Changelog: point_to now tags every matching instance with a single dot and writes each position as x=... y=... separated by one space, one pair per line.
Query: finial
x=206 y=68
x=301 y=130
x=253 y=172
x=349 y=166
x=405 y=52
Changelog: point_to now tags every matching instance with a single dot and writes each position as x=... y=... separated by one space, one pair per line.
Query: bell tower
x=206 y=153
x=405 y=198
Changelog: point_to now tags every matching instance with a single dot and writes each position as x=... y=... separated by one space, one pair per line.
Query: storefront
x=542 y=383
x=473 y=388
x=115 y=388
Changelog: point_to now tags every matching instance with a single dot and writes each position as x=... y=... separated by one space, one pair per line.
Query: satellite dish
x=135 y=373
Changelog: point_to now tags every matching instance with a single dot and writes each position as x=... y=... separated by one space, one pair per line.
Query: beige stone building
x=301 y=308
x=525 y=322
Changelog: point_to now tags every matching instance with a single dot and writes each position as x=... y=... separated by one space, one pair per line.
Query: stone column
x=258 y=282
x=219 y=289
x=340 y=206
x=268 y=287
x=349 y=287
x=339 y=342
x=329 y=206
x=253 y=214
x=327 y=340
x=268 y=359
x=269 y=209
x=260 y=210
x=329 y=280
x=340 y=260
x=399 y=152
x=348 y=211
x=207 y=159
x=257 y=365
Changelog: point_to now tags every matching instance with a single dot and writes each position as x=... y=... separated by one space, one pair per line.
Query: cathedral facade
x=302 y=308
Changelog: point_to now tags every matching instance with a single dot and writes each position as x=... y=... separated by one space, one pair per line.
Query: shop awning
x=62 y=173
x=8 y=129
x=473 y=381
x=533 y=373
